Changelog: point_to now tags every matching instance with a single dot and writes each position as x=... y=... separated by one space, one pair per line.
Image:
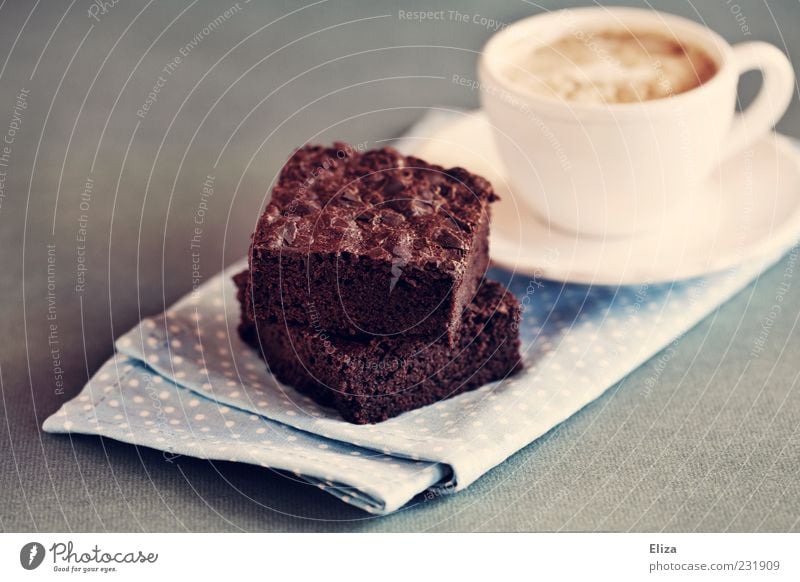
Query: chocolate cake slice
x=370 y=243
x=371 y=381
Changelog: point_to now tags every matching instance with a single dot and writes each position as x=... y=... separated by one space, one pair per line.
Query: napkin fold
x=183 y=382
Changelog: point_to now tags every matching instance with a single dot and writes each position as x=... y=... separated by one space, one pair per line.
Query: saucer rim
x=773 y=244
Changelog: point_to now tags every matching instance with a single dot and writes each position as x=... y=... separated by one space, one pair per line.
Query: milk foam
x=610 y=66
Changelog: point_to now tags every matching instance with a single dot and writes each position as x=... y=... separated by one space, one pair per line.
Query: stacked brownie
x=365 y=286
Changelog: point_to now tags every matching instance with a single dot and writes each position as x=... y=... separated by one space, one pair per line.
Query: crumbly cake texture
x=368 y=382
x=370 y=243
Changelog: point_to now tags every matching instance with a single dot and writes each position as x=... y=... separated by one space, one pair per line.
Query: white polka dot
x=199 y=416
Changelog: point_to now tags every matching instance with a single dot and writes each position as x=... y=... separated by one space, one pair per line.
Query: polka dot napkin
x=183 y=382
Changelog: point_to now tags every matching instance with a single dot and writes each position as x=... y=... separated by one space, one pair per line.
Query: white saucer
x=750 y=210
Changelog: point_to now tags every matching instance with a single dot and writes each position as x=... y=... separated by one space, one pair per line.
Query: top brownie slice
x=370 y=243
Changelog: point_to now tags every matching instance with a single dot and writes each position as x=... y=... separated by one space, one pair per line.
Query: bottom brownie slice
x=373 y=380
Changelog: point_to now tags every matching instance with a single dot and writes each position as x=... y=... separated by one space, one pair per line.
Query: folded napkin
x=183 y=382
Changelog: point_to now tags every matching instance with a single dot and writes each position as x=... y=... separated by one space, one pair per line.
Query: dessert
x=373 y=380
x=370 y=243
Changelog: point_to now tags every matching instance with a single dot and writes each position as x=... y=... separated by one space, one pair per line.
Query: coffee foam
x=610 y=66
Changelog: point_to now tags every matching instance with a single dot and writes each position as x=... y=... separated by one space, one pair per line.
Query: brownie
x=370 y=243
x=371 y=381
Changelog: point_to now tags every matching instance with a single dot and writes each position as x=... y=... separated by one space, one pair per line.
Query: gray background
x=715 y=447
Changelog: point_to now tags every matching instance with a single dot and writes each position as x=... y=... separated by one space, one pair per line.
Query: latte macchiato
x=610 y=66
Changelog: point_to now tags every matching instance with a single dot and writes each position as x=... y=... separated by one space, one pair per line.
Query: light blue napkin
x=183 y=382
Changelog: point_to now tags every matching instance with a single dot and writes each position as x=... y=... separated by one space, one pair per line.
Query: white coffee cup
x=619 y=169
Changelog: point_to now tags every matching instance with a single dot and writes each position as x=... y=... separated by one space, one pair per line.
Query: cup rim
x=723 y=56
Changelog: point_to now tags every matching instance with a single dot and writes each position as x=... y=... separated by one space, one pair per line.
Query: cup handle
x=772 y=100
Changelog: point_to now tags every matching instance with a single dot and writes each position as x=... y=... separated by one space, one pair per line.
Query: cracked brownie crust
x=372 y=243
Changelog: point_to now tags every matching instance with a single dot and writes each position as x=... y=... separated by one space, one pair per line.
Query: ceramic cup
x=620 y=169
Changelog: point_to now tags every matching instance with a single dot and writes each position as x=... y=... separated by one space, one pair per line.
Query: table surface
x=124 y=115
